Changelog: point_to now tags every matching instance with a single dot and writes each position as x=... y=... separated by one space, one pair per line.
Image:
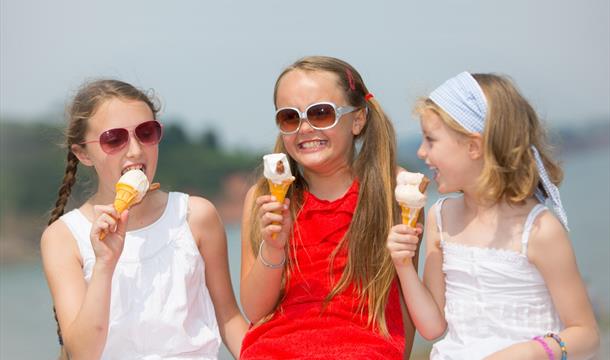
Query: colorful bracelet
x=546 y=347
x=266 y=263
x=562 y=345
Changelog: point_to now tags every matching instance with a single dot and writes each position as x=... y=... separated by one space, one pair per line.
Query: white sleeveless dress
x=160 y=307
x=493 y=297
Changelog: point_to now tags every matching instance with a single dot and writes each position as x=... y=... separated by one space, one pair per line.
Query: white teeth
x=312 y=144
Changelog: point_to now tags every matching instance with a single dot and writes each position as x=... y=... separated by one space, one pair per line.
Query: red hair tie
x=368 y=96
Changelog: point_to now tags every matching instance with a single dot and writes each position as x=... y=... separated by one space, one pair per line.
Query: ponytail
x=369 y=266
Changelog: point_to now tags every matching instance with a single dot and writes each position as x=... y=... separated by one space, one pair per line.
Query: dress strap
x=525 y=237
x=180 y=204
x=439 y=220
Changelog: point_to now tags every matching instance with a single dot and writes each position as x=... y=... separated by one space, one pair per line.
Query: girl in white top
x=157 y=286
x=500 y=273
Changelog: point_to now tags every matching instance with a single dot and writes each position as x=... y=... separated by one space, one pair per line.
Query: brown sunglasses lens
x=288 y=120
x=321 y=115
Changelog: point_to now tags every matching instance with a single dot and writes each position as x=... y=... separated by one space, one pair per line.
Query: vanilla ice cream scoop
x=277 y=168
x=408 y=191
x=137 y=180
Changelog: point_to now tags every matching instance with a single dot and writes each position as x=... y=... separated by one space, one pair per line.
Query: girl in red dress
x=316 y=279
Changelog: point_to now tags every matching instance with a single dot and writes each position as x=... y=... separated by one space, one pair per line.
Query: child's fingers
x=395 y=237
x=271 y=218
x=263 y=199
x=273 y=207
x=107 y=222
x=406 y=229
x=268 y=233
x=397 y=246
x=98 y=210
x=121 y=227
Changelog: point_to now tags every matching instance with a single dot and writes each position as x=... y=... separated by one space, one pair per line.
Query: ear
x=475 y=146
x=359 y=121
x=81 y=153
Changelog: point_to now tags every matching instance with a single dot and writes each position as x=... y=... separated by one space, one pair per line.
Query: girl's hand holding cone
x=275 y=221
x=402 y=243
x=403 y=239
x=113 y=226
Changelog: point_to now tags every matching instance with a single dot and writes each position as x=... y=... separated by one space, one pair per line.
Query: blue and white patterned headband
x=462 y=98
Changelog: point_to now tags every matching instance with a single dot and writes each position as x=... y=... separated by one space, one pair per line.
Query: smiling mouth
x=134 y=167
x=312 y=144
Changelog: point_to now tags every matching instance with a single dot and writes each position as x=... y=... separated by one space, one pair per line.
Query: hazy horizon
x=213 y=65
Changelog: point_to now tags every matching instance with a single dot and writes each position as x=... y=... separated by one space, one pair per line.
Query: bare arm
x=212 y=243
x=426 y=300
x=551 y=251
x=83 y=309
x=260 y=285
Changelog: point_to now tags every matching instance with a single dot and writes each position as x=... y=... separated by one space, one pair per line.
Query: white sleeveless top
x=160 y=307
x=493 y=297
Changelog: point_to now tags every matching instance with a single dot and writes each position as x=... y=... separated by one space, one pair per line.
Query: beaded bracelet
x=266 y=263
x=562 y=345
x=546 y=347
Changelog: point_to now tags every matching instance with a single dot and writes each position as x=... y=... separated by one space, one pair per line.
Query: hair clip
x=368 y=96
x=350 y=79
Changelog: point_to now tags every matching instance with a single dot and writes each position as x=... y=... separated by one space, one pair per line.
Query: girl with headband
x=316 y=279
x=500 y=273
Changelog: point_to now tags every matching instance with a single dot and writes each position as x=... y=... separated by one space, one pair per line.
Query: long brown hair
x=369 y=266
x=511 y=128
x=86 y=102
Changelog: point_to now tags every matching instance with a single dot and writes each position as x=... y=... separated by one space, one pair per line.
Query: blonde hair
x=368 y=266
x=512 y=127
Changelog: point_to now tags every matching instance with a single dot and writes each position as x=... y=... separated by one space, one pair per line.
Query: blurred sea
x=27 y=328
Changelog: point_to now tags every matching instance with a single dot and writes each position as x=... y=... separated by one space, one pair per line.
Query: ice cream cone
x=130 y=189
x=125 y=196
x=409 y=215
x=279 y=190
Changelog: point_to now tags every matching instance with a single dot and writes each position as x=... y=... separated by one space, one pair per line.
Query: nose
x=134 y=148
x=305 y=126
x=421 y=152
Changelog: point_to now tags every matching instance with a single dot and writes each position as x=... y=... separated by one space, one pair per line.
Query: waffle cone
x=279 y=190
x=125 y=197
x=409 y=215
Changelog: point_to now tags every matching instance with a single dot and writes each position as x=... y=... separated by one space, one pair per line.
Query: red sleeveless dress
x=300 y=329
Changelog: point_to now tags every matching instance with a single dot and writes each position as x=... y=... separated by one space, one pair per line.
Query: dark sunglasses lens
x=113 y=140
x=287 y=120
x=321 y=115
x=149 y=132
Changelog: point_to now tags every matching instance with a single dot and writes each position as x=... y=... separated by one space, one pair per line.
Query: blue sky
x=214 y=64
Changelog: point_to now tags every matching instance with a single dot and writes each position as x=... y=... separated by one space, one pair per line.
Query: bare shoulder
x=431 y=217
x=547 y=237
x=432 y=234
x=201 y=210
x=205 y=222
x=57 y=242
